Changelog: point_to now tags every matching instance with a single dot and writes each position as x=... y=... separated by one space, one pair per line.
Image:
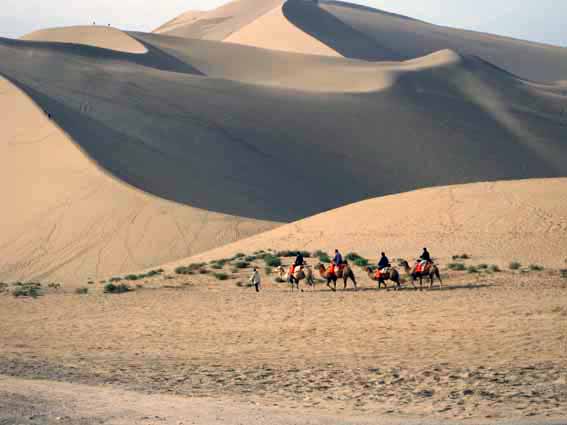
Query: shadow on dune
x=329 y=30
x=154 y=58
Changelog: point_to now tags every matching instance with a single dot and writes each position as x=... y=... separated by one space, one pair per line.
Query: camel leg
x=439 y=277
x=354 y=282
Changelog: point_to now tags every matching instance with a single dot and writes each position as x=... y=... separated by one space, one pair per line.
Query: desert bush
x=238 y=255
x=115 y=279
x=32 y=290
x=82 y=291
x=482 y=266
x=220 y=276
x=111 y=288
x=216 y=266
x=242 y=264
x=352 y=256
x=514 y=265
x=293 y=253
x=323 y=256
x=272 y=261
x=472 y=269
x=250 y=258
x=131 y=277
x=190 y=269
x=494 y=268
x=563 y=273
x=536 y=268
x=54 y=285
x=461 y=257
x=204 y=271
x=457 y=266
x=361 y=262
x=260 y=252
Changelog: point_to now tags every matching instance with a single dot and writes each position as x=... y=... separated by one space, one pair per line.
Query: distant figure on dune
x=255 y=279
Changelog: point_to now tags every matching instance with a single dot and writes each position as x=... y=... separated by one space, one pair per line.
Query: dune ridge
x=91 y=35
x=496 y=222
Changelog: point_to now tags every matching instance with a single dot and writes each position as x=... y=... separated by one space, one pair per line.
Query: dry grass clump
x=121 y=288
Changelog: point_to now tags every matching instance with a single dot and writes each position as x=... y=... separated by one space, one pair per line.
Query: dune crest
x=274 y=31
x=89 y=35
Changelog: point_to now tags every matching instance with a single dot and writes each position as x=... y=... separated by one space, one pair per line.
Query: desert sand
x=497 y=223
x=268 y=125
x=389 y=127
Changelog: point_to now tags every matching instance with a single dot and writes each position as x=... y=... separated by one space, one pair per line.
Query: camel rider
x=299 y=260
x=384 y=262
x=425 y=256
x=332 y=268
x=338 y=258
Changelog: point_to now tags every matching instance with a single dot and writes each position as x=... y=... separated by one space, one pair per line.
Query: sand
x=255 y=119
x=92 y=35
x=71 y=221
x=359 y=32
x=487 y=346
x=497 y=223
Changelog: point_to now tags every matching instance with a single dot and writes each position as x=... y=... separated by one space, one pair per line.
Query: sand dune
x=71 y=222
x=241 y=138
x=96 y=36
x=498 y=223
x=186 y=18
x=357 y=32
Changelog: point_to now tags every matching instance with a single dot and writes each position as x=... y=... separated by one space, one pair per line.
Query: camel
x=345 y=273
x=301 y=273
x=391 y=274
x=432 y=273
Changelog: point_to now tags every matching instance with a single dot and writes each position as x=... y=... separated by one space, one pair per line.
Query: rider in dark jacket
x=425 y=256
x=299 y=261
x=338 y=258
x=384 y=262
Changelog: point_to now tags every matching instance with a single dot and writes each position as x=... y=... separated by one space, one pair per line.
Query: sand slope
x=498 y=222
x=96 y=36
x=69 y=221
x=353 y=31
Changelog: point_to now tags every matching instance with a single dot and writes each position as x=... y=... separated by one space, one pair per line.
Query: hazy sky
x=542 y=20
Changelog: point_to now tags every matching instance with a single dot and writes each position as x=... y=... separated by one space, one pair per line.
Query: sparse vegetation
x=461 y=257
x=472 y=269
x=115 y=279
x=111 y=288
x=82 y=291
x=361 y=262
x=514 y=265
x=563 y=273
x=220 y=276
x=204 y=271
x=54 y=285
x=494 y=268
x=272 y=261
x=323 y=256
x=190 y=269
x=216 y=266
x=457 y=266
x=250 y=258
x=293 y=253
x=238 y=255
x=3 y=287
x=482 y=266
x=242 y=265
x=31 y=290
x=536 y=268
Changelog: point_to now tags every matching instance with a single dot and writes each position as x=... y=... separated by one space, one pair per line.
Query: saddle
x=423 y=268
x=384 y=272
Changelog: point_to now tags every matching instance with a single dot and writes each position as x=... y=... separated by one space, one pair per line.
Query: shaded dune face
x=281 y=153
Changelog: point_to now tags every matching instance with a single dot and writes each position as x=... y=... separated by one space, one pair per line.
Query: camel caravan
x=340 y=268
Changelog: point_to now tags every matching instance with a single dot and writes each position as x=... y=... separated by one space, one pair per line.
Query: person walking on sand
x=255 y=279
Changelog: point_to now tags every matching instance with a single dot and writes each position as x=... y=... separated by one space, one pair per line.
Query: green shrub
x=514 y=265
x=536 y=268
x=563 y=273
x=82 y=291
x=115 y=279
x=131 y=277
x=482 y=266
x=190 y=269
x=461 y=257
x=352 y=256
x=494 y=268
x=457 y=266
x=472 y=269
x=323 y=256
x=111 y=288
x=32 y=290
x=216 y=266
x=361 y=262
x=221 y=276
x=238 y=255
x=250 y=258
x=272 y=261
x=242 y=265
x=54 y=285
